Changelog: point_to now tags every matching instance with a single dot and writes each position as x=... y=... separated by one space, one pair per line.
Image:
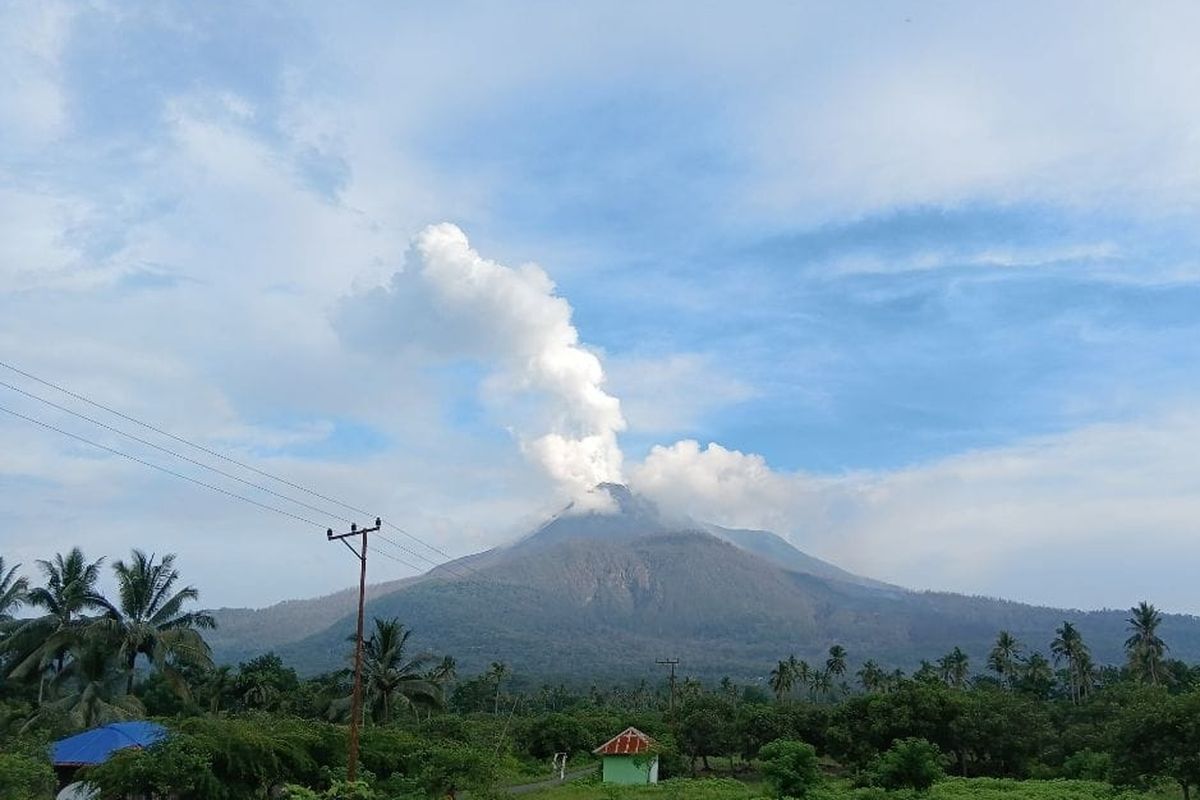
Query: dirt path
x=546 y=784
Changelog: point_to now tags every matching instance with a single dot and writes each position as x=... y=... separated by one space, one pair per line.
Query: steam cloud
x=512 y=318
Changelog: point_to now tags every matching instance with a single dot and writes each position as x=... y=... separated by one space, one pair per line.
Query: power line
x=223 y=457
x=223 y=473
x=173 y=473
x=180 y=439
x=171 y=452
x=160 y=468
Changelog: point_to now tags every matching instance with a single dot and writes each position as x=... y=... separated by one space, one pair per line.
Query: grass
x=949 y=789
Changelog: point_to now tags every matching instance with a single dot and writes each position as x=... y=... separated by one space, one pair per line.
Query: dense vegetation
x=1021 y=725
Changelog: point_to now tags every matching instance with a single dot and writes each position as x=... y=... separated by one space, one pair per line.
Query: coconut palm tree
x=14 y=591
x=1068 y=648
x=148 y=619
x=802 y=673
x=88 y=690
x=496 y=673
x=1005 y=658
x=444 y=672
x=1145 y=649
x=954 y=668
x=871 y=677
x=821 y=684
x=1037 y=676
x=217 y=685
x=391 y=674
x=44 y=643
x=781 y=680
x=835 y=665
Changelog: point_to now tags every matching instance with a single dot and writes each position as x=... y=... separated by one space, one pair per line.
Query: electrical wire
x=160 y=468
x=216 y=470
x=265 y=506
x=434 y=563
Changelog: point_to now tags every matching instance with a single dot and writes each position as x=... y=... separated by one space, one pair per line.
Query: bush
x=1088 y=765
x=790 y=767
x=175 y=767
x=542 y=737
x=340 y=790
x=908 y=764
x=25 y=777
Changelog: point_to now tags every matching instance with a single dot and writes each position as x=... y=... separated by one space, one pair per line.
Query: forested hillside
x=613 y=591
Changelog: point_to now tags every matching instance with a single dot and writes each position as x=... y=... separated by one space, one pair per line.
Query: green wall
x=629 y=769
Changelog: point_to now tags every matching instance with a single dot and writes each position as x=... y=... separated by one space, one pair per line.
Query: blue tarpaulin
x=96 y=745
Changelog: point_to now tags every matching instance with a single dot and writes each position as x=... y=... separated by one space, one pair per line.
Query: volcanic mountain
x=604 y=592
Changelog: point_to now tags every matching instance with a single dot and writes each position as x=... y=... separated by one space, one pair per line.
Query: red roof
x=629 y=742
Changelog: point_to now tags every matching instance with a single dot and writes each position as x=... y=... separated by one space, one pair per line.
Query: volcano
x=604 y=590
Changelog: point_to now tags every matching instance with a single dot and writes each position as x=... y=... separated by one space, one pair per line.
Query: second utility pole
x=356 y=696
x=670 y=662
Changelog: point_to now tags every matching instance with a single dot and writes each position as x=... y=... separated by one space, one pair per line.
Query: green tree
x=444 y=672
x=42 y=644
x=821 y=684
x=1036 y=676
x=264 y=683
x=88 y=690
x=1069 y=649
x=802 y=673
x=176 y=767
x=449 y=768
x=1144 y=648
x=542 y=737
x=871 y=677
x=707 y=728
x=1005 y=658
x=391 y=675
x=25 y=776
x=496 y=673
x=218 y=685
x=909 y=764
x=835 y=665
x=1158 y=736
x=148 y=619
x=781 y=680
x=790 y=767
x=13 y=591
x=954 y=668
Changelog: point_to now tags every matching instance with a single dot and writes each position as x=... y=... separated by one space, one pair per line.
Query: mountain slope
x=604 y=594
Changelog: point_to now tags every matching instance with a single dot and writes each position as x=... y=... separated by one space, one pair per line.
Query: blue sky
x=926 y=274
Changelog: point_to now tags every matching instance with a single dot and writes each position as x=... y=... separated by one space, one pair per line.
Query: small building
x=630 y=757
x=97 y=745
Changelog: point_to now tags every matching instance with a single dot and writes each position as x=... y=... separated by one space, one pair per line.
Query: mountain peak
x=612 y=510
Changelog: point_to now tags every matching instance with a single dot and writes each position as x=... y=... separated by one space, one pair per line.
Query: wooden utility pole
x=356 y=696
x=672 y=663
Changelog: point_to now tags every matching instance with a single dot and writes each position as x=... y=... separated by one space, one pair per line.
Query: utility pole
x=672 y=663
x=356 y=697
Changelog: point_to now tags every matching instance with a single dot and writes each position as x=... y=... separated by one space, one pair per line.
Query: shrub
x=1088 y=765
x=25 y=777
x=542 y=737
x=790 y=767
x=175 y=767
x=339 y=790
x=908 y=764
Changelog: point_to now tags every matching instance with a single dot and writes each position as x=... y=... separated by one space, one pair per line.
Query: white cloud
x=451 y=301
x=974 y=521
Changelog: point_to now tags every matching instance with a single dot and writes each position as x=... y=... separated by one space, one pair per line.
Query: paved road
x=533 y=787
